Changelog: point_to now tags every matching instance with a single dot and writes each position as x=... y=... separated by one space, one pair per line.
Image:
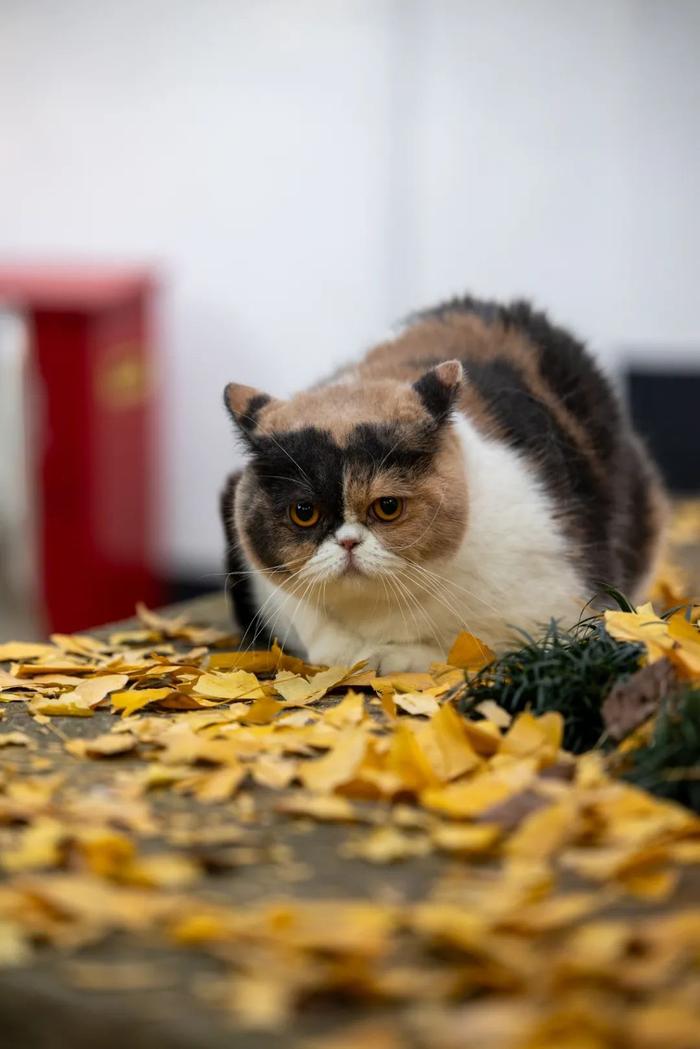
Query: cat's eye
x=388 y=508
x=304 y=515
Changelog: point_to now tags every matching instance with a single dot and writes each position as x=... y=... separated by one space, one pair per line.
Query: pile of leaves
x=605 y=677
x=571 y=672
x=139 y=766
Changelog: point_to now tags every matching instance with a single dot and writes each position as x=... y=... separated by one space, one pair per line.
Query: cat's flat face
x=349 y=484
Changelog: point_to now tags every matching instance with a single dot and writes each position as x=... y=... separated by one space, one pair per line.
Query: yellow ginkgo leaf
x=21 y=650
x=465 y=839
x=470 y=798
x=417 y=703
x=298 y=691
x=238 y=684
x=469 y=653
x=686 y=654
x=135 y=699
x=643 y=626
x=338 y=766
x=536 y=736
x=447 y=744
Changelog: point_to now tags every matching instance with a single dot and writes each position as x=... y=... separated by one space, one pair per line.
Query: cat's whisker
x=421 y=610
x=439 y=640
x=260 y=615
x=401 y=602
x=292 y=595
x=440 y=597
x=258 y=571
x=279 y=477
x=455 y=586
x=299 y=601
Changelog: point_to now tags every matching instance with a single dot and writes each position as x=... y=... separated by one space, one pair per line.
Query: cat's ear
x=244 y=404
x=439 y=388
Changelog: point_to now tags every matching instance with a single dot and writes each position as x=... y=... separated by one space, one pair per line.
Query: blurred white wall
x=304 y=171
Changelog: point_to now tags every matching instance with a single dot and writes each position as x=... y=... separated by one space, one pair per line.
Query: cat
x=475 y=472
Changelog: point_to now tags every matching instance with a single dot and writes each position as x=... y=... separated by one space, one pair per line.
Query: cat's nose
x=349 y=535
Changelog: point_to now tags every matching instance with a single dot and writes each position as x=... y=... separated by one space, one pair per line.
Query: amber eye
x=388 y=508
x=305 y=515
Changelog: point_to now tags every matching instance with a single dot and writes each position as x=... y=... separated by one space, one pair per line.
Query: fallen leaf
x=20 y=650
x=214 y=787
x=15 y=739
x=297 y=691
x=447 y=743
x=469 y=653
x=262 y=711
x=386 y=845
x=476 y=796
x=494 y=713
x=237 y=684
x=105 y=746
x=629 y=703
x=14 y=945
x=39 y=846
x=408 y=760
x=338 y=766
x=168 y=626
x=350 y=711
x=510 y=813
x=539 y=737
x=417 y=703
x=60 y=707
x=274 y=772
x=264 y=662
x=324 y=807
x=686 y=654
x=130 y=701
x=161 y=870
x=409 y=682
x=91 y=692
x=543 y=832
x=465 y=839
x=642 y=625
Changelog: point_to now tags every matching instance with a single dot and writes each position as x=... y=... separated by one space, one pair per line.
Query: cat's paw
x=333 y=647
x=398 y=659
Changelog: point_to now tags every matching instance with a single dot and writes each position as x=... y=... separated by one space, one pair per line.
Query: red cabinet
x=91 y=411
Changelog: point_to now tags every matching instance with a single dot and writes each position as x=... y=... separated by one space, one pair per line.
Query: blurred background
x=254 y=190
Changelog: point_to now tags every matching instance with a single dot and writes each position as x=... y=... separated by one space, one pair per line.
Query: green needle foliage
x=669 y=765
x=567 y=671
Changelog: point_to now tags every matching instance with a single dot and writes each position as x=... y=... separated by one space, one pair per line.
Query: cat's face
x=348 y=485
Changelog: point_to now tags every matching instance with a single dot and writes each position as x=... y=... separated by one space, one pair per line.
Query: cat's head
x=349 y=483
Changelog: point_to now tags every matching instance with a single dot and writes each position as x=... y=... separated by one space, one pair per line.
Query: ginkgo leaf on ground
x=468 y=653
x=642 y=625
x=131 y=700
x=236 y=684
x=21 y=650
x=298 y=691
x=338 y=766
x=469 y=798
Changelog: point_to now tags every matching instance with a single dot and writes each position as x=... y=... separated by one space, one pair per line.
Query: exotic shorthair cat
x=475 y=471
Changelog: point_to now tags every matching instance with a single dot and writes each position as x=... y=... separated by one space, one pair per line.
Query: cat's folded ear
x=439 y=388
x=244 y=404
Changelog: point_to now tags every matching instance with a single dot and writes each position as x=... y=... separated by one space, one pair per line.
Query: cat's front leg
x=393 y=658
x=332 y=645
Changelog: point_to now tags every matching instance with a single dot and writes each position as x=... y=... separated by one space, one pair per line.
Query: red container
x=91 y=400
